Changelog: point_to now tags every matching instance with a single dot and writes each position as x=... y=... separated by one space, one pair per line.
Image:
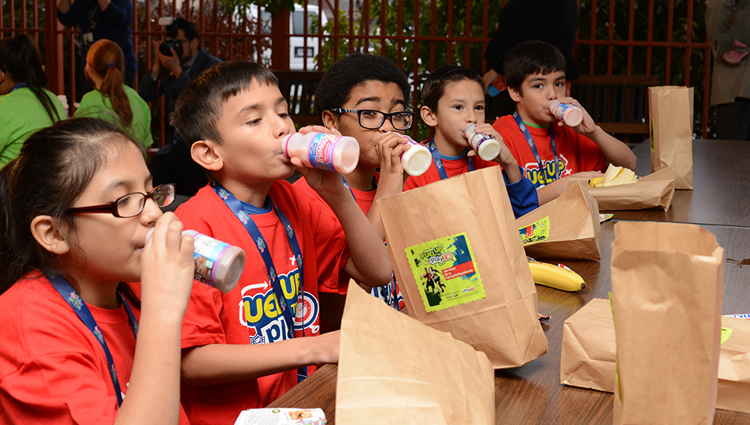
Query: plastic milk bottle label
x=445 y=272
x=207 y=252
x=321 y=151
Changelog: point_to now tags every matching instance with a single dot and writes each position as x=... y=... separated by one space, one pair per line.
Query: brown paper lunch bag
x=456 y=252
x=671 y=110
x=666 y=299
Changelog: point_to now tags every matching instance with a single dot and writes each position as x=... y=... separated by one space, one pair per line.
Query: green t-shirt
x=21 y=114
x=93 y=104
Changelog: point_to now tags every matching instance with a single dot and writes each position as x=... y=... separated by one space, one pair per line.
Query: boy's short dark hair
x=198 y=109
x=434 y=85
x=529 y=58
x=337 y=83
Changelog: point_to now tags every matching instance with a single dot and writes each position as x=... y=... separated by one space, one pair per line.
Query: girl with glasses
x=80 y=345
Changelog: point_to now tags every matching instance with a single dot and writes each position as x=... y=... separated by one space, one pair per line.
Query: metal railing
x=616 y=37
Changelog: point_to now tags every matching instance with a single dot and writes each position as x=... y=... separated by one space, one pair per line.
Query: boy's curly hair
x=339 y=81
x=529 y=58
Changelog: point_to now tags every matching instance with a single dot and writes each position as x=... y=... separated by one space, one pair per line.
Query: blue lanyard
x=234 y=204
x=530 y=140
x=70 y=295
x=439 y=162
x=18 y=86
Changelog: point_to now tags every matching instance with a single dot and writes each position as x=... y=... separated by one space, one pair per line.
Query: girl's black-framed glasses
x=132 y=204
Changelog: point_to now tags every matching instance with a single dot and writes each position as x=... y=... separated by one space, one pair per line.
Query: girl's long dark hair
x=55 y=166
x=20 y=58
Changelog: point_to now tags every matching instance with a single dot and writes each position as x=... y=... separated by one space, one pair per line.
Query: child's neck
x=529 y=121
x=361 y=178
x=255 y=195
x=97 y=293
x=447 y=147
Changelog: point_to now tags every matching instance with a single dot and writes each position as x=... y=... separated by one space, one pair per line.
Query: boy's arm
x=615 y=151
x=222 y=363
x=390 y=148
x=368 y=263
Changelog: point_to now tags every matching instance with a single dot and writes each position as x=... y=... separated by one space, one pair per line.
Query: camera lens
x=173 y=44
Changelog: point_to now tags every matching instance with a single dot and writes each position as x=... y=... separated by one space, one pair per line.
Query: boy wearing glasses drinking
x=452 y=98
x=365 y=96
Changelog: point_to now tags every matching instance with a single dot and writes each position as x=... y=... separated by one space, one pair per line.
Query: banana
x=556 y=276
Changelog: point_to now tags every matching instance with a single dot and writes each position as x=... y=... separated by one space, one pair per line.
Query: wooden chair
x=617 y=103
x=299 y=89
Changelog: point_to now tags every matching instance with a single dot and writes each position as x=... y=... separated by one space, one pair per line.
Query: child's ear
x=48 y=234
x=428 y=116
x=514 y=94
x=205 y=154
x=330 y=120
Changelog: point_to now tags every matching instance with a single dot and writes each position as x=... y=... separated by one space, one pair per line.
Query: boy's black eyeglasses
x=373 y=120
x=132 y=204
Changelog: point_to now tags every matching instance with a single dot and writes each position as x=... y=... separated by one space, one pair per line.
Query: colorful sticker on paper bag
x=535 y=232
x=725 y=334
x=445 y=272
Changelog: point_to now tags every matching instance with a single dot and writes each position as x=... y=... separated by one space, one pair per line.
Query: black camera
x=173 y=44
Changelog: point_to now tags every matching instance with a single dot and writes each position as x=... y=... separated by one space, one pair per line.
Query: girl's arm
x=153 y=395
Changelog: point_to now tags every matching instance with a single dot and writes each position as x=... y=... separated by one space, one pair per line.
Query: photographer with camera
x=179 y=59
x=98 y=20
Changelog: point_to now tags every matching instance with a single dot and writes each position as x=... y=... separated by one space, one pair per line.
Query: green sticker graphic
x=535 y=232
x=725 y=334
x=445 y=272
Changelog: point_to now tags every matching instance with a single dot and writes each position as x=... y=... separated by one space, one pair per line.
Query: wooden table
x=532 y=394
x=721 y=189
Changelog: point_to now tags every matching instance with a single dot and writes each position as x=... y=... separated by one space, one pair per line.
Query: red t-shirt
x=576 y=152
x=390 y=293
x=453 y=167
x=53 y=370
x=249 y=313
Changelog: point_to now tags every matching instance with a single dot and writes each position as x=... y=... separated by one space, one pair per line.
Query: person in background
x=549 y=151
x=79 y=345
x=170 y=74
x=25 y=105
x=113 y=99
x=553 y=21
x=168 y=77
x=728 y=29
x=99 y=20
